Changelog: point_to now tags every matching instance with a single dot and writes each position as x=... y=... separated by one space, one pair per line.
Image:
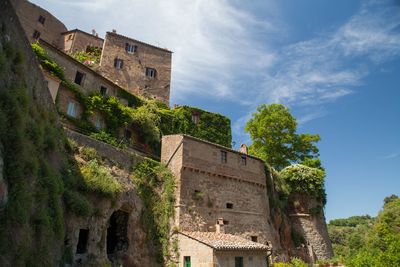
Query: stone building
x=139 y=67
x=218 y=189
x=207 y=249
x=39 y=23
x=78 y=40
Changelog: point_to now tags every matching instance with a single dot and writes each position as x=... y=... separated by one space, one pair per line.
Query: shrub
x=89 y=153
x=305 y=180
x=98 y=179
x=296 y=262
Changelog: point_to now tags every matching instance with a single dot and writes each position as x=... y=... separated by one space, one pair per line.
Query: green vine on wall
x=155 y=185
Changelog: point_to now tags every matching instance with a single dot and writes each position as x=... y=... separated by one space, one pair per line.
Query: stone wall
x=250 y=258
x=200 y=254
x=208 y=189
x=308 y=220
x=29 y=14
x=77 y=40
x=122 y=157
x=132 y=75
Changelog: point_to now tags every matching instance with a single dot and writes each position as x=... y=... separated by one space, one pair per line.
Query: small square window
x=36 y=34
x=71 y=110
x=243 y=160
x=130 y=48
x=118 y=63
x=99 y=123
x=229 y=205
x=150 y=72
x=224 y=156
x=41 y=19
x=225 y=222
x=79 y=78
x=103 y=90
x=238 y=261
x=254 y=238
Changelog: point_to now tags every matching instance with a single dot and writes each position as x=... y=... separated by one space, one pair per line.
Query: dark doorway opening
x=117 y=234
x=81 y=248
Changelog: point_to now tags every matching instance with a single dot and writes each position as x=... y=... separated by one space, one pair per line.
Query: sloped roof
x=220 y=241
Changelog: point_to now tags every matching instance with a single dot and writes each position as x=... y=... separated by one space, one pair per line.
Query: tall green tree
x=273 y=132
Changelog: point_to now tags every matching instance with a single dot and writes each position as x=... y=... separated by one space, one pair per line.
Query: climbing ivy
x=155 y=185
x=212 y=127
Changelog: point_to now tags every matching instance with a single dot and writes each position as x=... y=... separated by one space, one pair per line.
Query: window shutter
x=126 y=46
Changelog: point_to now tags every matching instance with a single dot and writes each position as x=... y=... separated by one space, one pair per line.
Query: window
x=254 y=238
x=70 y=37
x=127 y=134
x=243 y=160
x=225 y=222
x=79 y=77
x=36 y=34
x=118 y=63
x=98 y=123
x=81 y=248
x=186 y=261
x=42 y=19
x=195 y=118
x=150 y=72
x=238 y=261
x=223 y=156
x=130 y=48
x=229 y=205
x=71 y=111
x=103 y=90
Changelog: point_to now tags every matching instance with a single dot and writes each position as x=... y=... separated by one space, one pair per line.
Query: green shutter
x=186 y=261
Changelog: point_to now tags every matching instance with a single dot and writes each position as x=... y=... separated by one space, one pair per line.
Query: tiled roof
x=220 y=241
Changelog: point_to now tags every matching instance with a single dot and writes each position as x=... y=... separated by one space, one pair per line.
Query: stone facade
x=308 y=220
x=134 y=70
x=218 y=189
x=202 y=254
x=35 y=19
x=91 y=80
x=77 y=40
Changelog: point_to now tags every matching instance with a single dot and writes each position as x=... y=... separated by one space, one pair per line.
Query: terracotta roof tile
x=220 y=241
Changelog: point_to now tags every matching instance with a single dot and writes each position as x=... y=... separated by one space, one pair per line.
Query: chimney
x=243 y=149
x=220 y=227
x=114 y=30
x=94 y=32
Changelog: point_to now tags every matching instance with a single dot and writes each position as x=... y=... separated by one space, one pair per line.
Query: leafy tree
x=273 y=131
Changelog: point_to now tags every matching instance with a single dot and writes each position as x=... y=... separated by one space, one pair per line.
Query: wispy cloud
x=392 y=156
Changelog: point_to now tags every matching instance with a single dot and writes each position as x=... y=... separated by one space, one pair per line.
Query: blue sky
x=335 y=64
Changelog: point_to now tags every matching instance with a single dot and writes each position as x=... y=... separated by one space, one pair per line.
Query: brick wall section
x=200 y=254
x=197 y=166
x=28 y=15
x=132 y=76
x=77 y=40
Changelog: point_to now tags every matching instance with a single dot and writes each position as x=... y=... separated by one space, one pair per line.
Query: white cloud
x=391 y=156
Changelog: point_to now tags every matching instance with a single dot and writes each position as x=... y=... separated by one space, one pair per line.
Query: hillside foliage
x=362 y=241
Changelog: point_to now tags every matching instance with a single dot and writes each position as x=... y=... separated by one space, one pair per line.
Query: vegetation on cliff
x=362 y=241
x=155 y=185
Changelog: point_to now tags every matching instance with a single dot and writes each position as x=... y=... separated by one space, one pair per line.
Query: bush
x=305 y=180
x=98 y=179
x=296 y=262
x=89 y=153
